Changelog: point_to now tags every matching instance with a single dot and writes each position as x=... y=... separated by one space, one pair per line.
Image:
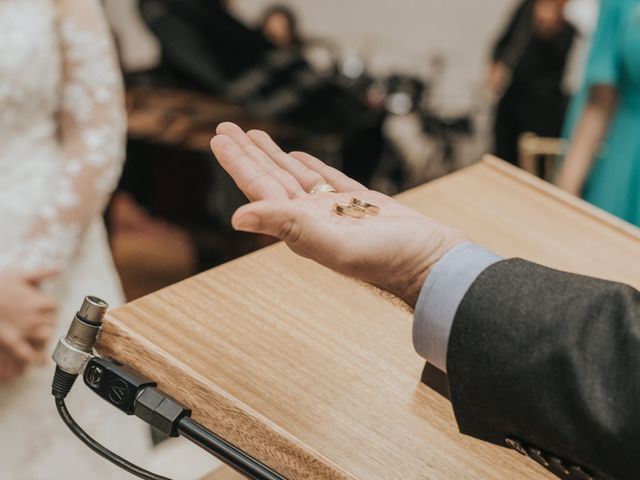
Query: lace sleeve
x=91 y=132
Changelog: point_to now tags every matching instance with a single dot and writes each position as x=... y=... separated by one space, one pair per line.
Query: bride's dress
x=61 y=146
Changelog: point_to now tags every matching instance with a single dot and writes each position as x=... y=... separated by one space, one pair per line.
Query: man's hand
x=27 y=321
x=394 y=250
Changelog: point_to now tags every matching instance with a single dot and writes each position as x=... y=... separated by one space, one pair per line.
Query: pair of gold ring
x=356 y=208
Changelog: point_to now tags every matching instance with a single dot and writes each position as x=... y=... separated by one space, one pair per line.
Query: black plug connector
x=134 y=394
x=116 y=383
x=160 y=411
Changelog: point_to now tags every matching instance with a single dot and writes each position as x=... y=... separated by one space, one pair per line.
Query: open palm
x=393 y=250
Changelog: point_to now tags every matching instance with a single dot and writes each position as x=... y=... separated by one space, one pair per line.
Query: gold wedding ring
x=367 y=207
x=356 y=208
x=322 y=188
x=347 y=210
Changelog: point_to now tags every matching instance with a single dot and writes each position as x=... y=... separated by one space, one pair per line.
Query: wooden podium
x=315 y=374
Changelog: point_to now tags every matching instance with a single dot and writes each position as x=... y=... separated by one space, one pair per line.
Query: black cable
x=134 y=394
x=101 y=450
x=232 y=456
x=139 y=396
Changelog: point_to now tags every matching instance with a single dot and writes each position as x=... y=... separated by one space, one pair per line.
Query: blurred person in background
x=280 y=26
x=603 y=161
x=526 y=75
x=62 y=131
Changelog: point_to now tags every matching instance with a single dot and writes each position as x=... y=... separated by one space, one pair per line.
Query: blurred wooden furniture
x=187 y=119
x=147 y=262
x=533 y=148
x=315 y=374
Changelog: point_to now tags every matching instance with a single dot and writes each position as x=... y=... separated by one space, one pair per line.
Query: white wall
x=404 y=34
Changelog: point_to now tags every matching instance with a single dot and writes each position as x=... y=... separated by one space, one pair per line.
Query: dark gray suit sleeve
x=551 y=360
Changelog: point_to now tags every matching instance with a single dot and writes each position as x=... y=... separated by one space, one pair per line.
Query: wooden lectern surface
x=316 y=375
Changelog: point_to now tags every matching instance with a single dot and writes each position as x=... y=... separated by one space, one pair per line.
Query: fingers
x=261 y=159
x=254 y=182
x=41 y=334
x=305 y=176
x=264 y=172
x=36 y=277
x=39 y=308
x=27 y=290
x=335 y=177
x=19 y=347
x=10 y=367
x=46 y=306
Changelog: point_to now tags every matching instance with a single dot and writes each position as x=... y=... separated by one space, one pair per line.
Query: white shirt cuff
x=440 y=297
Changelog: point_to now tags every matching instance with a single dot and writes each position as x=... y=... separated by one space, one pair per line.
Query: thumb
x=283 y=220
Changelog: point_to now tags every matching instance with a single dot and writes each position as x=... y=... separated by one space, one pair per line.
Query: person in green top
x=603 y=160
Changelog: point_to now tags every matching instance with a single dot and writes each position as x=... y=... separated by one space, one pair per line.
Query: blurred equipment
x=205 y=48
x=423 y=144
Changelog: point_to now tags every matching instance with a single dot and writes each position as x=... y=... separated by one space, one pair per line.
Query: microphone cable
x=133 y=394
x=101 y=449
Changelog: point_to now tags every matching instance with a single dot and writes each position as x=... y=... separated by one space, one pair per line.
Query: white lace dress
x=62 y=132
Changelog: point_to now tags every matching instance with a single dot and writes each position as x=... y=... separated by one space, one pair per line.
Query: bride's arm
x=92 y=127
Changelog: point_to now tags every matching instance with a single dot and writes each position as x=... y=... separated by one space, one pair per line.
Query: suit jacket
x=548 y=363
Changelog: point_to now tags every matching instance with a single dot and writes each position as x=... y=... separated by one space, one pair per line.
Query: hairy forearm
x=589 y=135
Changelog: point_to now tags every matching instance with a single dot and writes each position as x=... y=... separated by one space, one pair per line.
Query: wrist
x=446 y=241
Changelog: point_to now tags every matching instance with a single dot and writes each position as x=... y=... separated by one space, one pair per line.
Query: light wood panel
x=316 y=375
x=518 y=215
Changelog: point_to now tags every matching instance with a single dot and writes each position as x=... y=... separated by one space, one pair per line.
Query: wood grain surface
x=316 y=375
